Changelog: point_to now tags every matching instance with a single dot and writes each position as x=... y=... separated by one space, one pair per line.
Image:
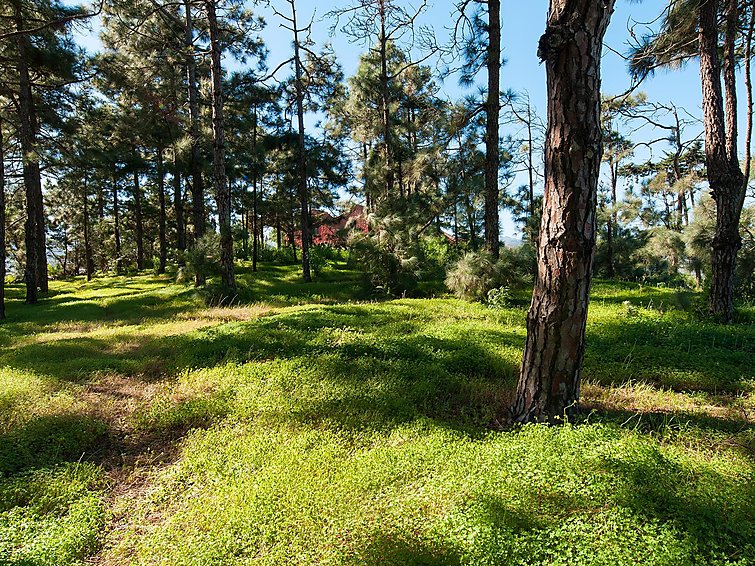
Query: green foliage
x=51 y=517
x=499 y=298
x=202 y=258
x=388 y=254
x=476 y=274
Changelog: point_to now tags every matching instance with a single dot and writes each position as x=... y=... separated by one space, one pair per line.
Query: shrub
x=203 y=257
x=388 y=255
x=476 y=273
x=220 y=295
x=499 y=298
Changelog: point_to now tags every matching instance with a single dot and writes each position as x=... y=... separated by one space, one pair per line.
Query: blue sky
x=522 y=24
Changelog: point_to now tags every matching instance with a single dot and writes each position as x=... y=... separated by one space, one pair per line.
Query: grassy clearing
x=138 y=426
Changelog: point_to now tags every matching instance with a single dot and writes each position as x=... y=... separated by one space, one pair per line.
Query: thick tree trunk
x=31 y=175
x=724 y=176
x=548 y=388
x=197 y=185
x=163 y=252
x=139 y=223
x=492 y=109
x=302 y=164
x=222 y=188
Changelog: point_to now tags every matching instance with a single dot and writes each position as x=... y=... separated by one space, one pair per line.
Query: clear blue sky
x=522 y=24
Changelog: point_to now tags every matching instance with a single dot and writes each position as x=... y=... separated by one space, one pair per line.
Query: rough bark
x=220 y=180
x=492 y=110
x=724 y=176
x=31 y=175
x=255 y=182
x=197 y=185
x=548 y=388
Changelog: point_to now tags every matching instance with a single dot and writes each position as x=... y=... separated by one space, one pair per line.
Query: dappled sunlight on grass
x=316 y=426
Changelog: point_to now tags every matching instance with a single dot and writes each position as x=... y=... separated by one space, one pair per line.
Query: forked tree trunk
x=492 y=109
x=222 y=188
x=571 y=47
x=724 y=175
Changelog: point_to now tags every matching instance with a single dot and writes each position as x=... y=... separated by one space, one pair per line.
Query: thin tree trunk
x=139 y=222
x=255 y=182
x=117 y=228
x=3 y=255
x=748 y=89
x=724 y=176
x=301 y=157
x=548 y=388
x=163 y=252
x=492 y=109
x=222 y=189
x=88 y=260
x=197 y=185
x=179 y=209
x=385 y=101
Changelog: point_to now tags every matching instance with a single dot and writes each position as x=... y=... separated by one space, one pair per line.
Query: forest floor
x=138 y=426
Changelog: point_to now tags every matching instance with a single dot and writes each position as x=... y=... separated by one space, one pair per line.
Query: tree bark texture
x=220 y=180
x=197 y=185
x=724 y=175
x=161 y=221
x=139 y=222
x=548 y=388
x=492 y=109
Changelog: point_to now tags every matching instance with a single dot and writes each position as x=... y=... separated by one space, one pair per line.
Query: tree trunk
x=492 y=109
x=548 y=388
x=255 y=182
x=117 y=228
x=178 y=207
x=222 y=188
x=302 y=164
x=385 y=109
x=139 y=223
x=88 y=261
x=724 y=176
x=31 y=175
x=2 y=224
x=163 y=252
x=197 y=186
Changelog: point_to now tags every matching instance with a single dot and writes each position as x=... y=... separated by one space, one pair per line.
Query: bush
x=220 y=295
x=476 y=274
x=202 y=258
x=388 y=255
x=499 y=298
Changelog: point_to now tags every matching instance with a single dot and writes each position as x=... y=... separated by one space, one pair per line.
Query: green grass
x=138 y=425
